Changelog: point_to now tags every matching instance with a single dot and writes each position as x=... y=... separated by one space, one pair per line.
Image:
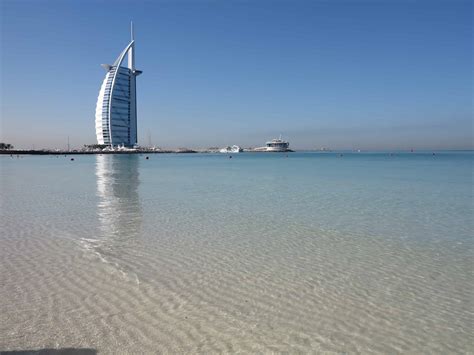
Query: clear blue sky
x=341 y=74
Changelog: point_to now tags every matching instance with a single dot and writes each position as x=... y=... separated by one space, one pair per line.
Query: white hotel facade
x=116 y=110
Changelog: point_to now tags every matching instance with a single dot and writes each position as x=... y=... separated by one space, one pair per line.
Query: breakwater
x=85 y=152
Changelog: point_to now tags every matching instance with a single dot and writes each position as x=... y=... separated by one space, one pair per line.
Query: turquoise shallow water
x=364 y=252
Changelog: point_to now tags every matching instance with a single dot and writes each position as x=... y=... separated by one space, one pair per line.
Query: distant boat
x=275 y=145
x=233 y=149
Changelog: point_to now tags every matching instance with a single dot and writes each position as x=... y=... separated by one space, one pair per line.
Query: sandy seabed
x=62 y=292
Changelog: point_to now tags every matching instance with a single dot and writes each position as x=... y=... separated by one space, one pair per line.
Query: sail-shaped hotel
x=116 y=110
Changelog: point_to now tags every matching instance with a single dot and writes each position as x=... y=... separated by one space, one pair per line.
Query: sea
x=304 y=252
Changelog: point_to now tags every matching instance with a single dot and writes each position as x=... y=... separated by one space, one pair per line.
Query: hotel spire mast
x=131 y=53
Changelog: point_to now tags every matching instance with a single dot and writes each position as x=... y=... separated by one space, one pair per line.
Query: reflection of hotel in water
x=118 y=208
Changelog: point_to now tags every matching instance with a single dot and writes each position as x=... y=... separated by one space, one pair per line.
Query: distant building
x=116 y=110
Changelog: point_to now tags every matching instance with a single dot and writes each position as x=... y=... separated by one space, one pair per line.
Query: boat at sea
x=275 y=145
x=233 y=149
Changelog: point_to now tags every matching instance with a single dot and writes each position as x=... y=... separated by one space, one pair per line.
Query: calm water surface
x=305 y=252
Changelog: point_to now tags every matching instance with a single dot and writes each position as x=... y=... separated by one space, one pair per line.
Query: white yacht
x=233 y=149
x=275 y=145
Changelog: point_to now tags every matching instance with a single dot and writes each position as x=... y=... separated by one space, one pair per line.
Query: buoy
x=72 y=159
x=146 y=158
x=230 y=156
